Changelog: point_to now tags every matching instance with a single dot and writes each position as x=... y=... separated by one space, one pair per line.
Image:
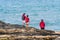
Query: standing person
x=27 y=21
x=23 y=18
x=42 y=24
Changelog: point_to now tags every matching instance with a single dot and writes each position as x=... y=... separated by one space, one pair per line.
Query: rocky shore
x=19 y=32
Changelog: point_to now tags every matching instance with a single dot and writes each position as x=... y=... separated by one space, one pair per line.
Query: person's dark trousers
x=42 y=28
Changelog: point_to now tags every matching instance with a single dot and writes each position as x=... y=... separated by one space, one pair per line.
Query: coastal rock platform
x=20 y=32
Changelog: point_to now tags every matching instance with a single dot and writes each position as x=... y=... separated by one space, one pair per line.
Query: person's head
x=42 y=20
x=23 y=13
x=27 y=15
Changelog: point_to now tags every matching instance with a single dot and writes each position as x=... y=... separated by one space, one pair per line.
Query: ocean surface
x=49 y=10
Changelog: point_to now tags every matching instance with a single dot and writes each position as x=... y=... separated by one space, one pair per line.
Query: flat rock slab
x=12 y=37
x=36 y=37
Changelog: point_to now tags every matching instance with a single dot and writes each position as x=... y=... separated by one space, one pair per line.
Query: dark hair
x=24 y=13
x=42 y=20
x=27 y=15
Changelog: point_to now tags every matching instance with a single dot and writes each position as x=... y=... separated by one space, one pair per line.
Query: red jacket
x=42 y=24
x=26 y=19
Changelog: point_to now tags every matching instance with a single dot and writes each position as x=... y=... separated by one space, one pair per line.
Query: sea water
x=48 y=10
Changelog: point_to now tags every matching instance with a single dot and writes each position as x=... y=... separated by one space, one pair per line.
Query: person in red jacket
x=23 y=18
x=42 y=24
x=27 y=21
